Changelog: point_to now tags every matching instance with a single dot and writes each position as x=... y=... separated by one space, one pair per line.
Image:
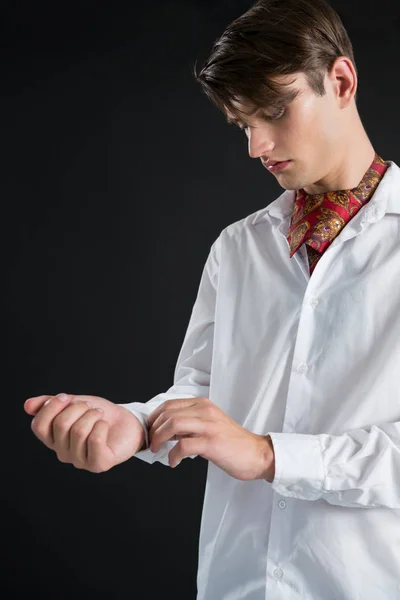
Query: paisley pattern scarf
x=317 y=219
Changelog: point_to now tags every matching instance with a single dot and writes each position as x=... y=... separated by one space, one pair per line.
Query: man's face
x=311 y=133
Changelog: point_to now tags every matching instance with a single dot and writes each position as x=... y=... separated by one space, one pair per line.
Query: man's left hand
x=203 y=429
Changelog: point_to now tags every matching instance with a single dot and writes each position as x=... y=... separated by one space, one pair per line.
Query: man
x=287 y=379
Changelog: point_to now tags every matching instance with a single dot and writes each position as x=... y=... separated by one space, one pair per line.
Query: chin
x=286 y=184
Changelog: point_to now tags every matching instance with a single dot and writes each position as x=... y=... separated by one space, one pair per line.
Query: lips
x=271 y=163
x=274 y=166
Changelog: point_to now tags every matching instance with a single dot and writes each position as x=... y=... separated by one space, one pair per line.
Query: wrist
x=269 y=460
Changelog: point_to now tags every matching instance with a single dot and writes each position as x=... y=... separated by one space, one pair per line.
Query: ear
x=343 y=78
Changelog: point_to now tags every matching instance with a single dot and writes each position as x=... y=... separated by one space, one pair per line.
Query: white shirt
x=314 y=362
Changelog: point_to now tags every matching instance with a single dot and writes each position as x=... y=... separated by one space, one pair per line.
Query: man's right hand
x=81 y=435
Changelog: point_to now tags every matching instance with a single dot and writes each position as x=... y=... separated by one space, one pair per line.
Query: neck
x=350 y=166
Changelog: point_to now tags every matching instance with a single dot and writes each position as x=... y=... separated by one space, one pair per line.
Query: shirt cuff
x=142 y=420
x=299 y=468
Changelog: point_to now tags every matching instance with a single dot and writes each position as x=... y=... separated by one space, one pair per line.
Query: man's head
x=285 y=72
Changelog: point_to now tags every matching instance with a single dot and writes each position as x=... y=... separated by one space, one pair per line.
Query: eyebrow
x=276 y=106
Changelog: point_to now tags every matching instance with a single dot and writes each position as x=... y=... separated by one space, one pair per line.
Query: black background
x=118 y=175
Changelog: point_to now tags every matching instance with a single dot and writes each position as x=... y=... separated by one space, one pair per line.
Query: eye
x=278 y=115
x=275 y=116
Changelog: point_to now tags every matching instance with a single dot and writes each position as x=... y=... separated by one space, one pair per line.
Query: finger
x=178 y=404
x=34 y=404
x=194 y=411
x=41 y=424
x=79 y=434
x=61 y=426
x=178 y=426
x=187 y=447
x=98 y=454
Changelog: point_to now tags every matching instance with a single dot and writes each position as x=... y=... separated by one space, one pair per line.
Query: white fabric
x=314 y=362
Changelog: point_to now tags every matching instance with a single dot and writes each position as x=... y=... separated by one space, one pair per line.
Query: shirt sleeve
x=360 y=468
x=193 y=367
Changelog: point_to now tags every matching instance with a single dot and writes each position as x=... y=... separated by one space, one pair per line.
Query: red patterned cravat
x=317 y=219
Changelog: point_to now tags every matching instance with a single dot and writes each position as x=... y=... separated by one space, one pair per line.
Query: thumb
x=34 y=404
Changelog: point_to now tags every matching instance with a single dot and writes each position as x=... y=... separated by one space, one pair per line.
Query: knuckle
x=99 y=468
x=96 y=462
x=209 y=409
x=96 y=465
x=177 y=422
x=95 y=438
x=78 y=464
x=170 y=423
x=39 y=431
x=165 y=416
x=60 y=423
x=78 y=430
x=62 y=458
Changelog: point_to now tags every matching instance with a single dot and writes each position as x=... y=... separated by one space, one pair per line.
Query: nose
x=260 y=142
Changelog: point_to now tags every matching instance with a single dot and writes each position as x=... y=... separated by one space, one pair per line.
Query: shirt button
x=314 y=302
x=302 y=368
x=282 y=504
x=277 y=573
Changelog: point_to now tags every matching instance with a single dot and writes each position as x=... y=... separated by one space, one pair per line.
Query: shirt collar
x=386 y=199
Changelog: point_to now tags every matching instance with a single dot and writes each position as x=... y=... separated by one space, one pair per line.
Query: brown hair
x=274 y=37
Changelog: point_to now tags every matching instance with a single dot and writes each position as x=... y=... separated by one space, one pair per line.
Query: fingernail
x=47 y=401
x=62 y=397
